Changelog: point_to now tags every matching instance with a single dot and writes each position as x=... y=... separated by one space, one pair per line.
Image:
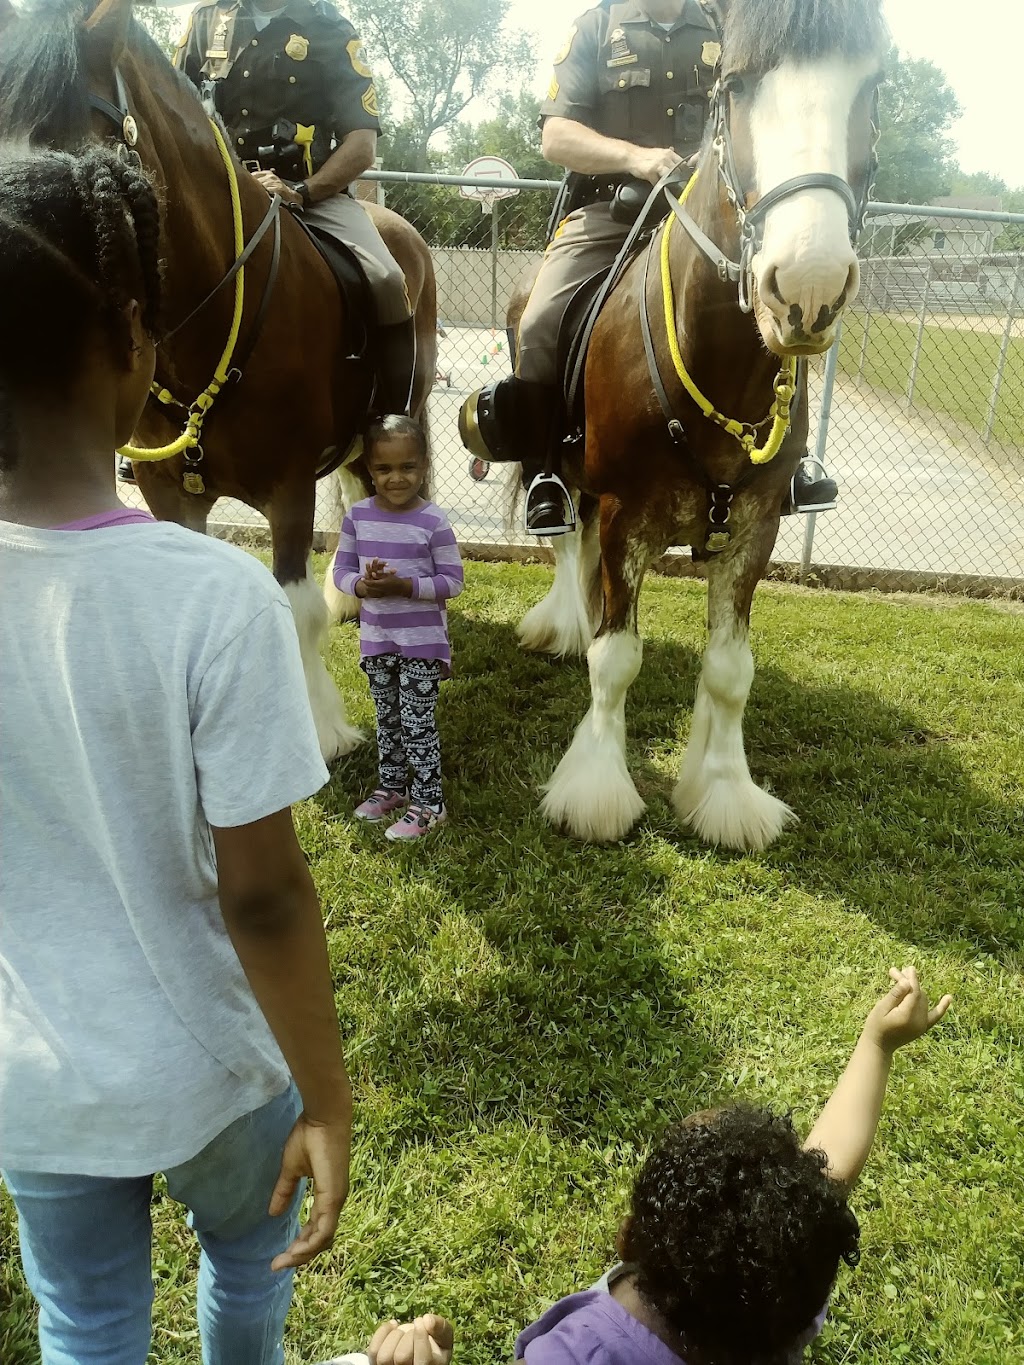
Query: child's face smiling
x=397 y=470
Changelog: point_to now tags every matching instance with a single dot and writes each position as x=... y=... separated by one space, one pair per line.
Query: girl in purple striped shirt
x=397 y=553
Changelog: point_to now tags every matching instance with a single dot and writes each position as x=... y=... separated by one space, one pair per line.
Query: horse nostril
x=770 y=284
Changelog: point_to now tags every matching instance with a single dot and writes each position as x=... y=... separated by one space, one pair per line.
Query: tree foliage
x=164 y=25
x=443 y=53
x=916 y=155
x=441 y=214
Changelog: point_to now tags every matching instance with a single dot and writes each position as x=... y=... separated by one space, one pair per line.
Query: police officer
x=628 y=100
x=294 y=89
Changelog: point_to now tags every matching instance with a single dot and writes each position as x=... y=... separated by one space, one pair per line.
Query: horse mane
x=44 y=92
x=43 y=95
x=761 y=34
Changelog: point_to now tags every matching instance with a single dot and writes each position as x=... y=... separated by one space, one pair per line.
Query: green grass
x=523 y=1012
x=955 y=373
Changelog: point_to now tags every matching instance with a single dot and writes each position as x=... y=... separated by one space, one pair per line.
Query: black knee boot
x=396 y=368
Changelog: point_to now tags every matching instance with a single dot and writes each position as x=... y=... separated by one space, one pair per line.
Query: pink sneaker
x=380 y=804
x=417 y=821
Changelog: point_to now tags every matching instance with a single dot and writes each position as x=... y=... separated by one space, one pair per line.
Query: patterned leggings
x=405 y=694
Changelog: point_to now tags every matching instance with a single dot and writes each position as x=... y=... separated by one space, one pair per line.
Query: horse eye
x=735 y=86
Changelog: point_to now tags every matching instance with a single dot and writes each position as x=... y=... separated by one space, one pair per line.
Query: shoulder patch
x=566 y=47
x=357 y=56
x=553 y=89
x=369 y=102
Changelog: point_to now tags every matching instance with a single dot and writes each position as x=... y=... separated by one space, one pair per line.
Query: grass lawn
x=955 y=373
x=522 y=1012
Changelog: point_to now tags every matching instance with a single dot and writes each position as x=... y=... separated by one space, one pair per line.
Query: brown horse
x=778 y=193
x=298 y=400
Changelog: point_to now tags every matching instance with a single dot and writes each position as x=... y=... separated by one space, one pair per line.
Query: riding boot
x=811 y=490
x=396 y=369
x=125 y=470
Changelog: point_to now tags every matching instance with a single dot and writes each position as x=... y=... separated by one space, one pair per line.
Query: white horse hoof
x=592 y=796
x=735 y=813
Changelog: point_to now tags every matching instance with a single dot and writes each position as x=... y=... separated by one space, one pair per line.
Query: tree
x=444 y=53
x=917 y=109
x=162 y=24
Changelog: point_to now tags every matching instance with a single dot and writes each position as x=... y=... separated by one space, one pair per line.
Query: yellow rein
x=191 y=436
x=785 y=382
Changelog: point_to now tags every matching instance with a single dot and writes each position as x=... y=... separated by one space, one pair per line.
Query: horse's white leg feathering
x=561 y=622
x=715 y=794
x=591 y=792
x=345 y=489
x=335 y=734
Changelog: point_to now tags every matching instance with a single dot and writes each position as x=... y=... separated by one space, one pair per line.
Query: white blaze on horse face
x=799 y=125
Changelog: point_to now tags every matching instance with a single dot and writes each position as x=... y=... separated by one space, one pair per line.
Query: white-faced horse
x=689 y=384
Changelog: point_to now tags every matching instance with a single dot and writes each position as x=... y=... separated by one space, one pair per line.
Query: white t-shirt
x=264 y=18
x=150 y=686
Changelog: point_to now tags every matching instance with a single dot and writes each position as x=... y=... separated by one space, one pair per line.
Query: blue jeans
x=86 y=1246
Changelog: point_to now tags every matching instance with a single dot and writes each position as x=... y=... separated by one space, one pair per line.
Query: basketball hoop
x=489 y=168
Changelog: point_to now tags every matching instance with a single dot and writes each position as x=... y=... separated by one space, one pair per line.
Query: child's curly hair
x=737 y=1234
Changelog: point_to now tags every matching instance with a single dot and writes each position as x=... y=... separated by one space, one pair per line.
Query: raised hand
x=904 y=1014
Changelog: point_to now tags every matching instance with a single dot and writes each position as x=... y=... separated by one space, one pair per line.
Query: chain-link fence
x=919 y=409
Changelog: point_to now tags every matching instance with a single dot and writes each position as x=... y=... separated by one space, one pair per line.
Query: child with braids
x=736 y=1234
x=165 y=997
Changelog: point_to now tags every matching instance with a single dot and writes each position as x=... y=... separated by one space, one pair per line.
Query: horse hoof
x=591 y=795
x=731 y=812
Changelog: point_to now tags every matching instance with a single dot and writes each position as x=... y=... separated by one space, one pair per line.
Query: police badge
x=297 y=47
x=710 y=53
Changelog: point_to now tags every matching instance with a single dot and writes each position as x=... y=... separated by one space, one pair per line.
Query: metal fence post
x=821 y=442
x=915 y=363
x=1004 y=351
x=494 y=262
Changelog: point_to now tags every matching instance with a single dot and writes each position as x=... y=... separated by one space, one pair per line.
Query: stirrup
x=824 y=504
x=553 y=485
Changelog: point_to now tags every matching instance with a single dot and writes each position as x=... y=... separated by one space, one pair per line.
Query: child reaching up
x=736 y=1234
x=398 y=554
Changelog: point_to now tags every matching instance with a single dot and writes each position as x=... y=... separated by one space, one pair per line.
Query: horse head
x=104 y=40
x=795 y=128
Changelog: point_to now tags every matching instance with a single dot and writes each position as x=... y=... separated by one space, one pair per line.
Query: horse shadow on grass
x=528 y=976
x=889 y=821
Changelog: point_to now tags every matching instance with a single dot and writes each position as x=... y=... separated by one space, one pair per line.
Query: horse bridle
x=127 y=130
x=752 y=220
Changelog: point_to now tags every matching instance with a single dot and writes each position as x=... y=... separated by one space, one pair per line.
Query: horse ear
x=106 y=34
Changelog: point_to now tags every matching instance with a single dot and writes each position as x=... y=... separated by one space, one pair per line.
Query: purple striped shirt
x=419 y=545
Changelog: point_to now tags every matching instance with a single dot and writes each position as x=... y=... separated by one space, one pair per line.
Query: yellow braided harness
x=190 y=438
x=785 y=381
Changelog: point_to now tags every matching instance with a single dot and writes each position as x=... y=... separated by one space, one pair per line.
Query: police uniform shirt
x=307 y=65
x=628 y=77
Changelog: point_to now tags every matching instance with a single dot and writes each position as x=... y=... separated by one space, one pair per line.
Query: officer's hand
x=273 y=184
x=651 y=163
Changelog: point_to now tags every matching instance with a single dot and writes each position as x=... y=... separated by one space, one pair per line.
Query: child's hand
x=903 y=1014
x=377 y=568
x=427 y=1341
x=388 y=585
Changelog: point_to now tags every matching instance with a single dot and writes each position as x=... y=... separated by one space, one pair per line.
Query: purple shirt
x=591 y=1328
x=418 y=545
